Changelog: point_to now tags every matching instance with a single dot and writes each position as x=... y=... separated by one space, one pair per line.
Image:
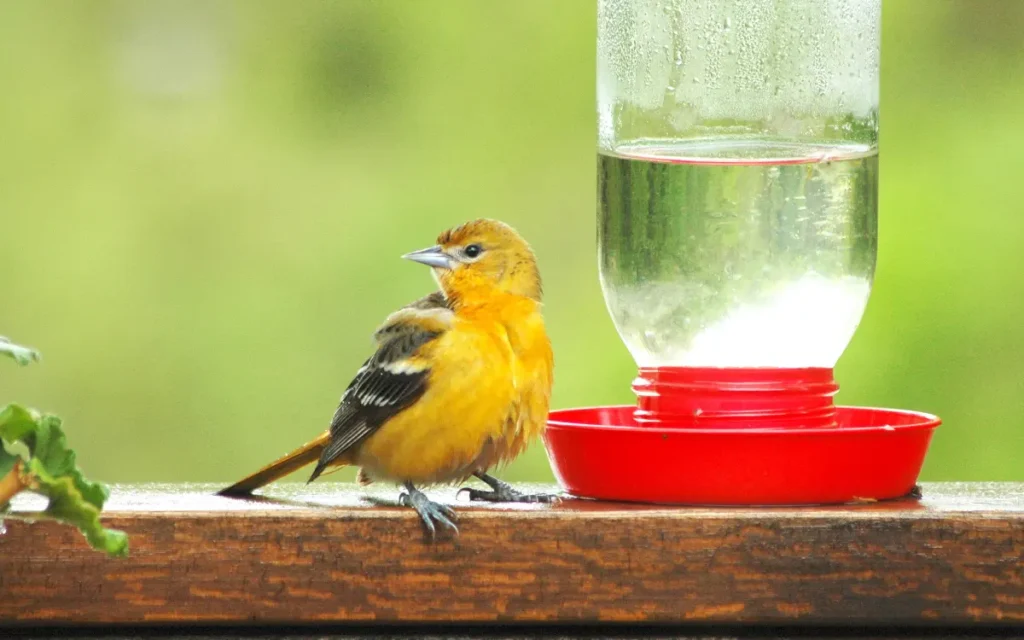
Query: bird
x=459 y=383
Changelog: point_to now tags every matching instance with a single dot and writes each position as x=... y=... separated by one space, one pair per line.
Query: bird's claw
x=429 y=512
x=505 y=493
x=480 y=495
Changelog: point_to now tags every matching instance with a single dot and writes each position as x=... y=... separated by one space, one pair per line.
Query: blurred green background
x=203 y=206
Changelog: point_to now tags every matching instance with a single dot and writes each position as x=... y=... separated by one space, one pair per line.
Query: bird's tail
x=294 y=461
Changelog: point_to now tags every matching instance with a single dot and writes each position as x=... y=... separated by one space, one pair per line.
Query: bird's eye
x=473 y=250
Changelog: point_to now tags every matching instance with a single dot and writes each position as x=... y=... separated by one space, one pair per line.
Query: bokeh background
x=203 y=205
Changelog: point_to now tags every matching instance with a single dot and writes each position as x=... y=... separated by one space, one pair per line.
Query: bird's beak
x=432 y=257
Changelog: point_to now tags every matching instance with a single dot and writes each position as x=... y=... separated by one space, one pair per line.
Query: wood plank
x=323 y=553
x=554 y=632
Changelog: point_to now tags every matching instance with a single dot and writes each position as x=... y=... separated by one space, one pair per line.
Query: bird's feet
x=430 y=512
x=502 y=491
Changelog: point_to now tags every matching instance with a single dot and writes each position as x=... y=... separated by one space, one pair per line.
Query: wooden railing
x=324 y=554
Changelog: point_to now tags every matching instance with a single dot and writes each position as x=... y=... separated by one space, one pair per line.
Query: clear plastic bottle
x=737 y=177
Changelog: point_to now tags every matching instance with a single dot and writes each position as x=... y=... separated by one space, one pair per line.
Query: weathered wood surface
x=608 y=632
x=323 y=554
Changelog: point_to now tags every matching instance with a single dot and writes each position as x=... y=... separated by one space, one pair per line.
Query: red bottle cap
x=708 y=398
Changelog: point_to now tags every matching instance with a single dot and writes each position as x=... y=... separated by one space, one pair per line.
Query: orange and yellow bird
x=460 y=381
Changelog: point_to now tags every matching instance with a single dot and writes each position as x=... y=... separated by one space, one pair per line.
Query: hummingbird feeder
x=737 y=237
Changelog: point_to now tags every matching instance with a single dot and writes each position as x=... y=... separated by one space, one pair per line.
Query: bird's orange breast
x=534 y=376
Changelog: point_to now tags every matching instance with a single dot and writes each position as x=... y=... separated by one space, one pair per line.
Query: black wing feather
x=380 y=389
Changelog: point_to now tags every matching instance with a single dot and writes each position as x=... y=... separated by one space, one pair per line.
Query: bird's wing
x=390 y=380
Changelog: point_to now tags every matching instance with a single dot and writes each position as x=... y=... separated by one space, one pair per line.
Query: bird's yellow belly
x=426 y=450
x=475 y=436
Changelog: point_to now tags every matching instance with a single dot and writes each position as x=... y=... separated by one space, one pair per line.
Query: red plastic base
x=605 y=453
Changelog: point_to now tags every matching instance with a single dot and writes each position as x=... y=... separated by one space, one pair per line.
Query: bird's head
x=480 y=256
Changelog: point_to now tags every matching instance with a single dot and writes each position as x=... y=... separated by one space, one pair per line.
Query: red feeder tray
x=734 y=437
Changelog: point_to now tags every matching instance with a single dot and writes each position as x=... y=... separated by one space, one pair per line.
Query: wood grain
x=323 y=554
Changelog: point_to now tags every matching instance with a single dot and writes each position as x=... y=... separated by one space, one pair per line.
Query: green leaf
x=50 y=467
x=21 y=355
x=7 y=461
x=16 y=422
x=69 y=505
x=52 y=451
x=73 y=499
